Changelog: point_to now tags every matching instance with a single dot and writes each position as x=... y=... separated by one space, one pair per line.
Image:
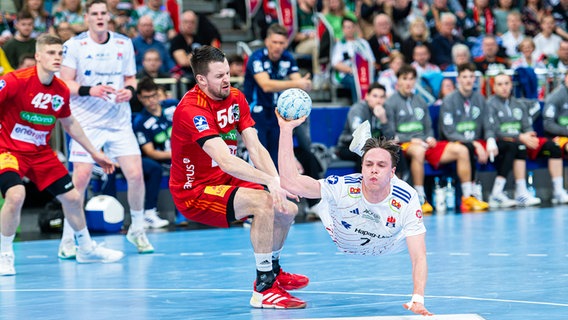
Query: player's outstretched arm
x=72 y=127
x=292 y=180
x=417 y=251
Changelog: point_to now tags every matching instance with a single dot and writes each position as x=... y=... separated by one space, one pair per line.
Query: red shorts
x=42 y=167
x=432 y=155
x=533 y=153
x=210 y=205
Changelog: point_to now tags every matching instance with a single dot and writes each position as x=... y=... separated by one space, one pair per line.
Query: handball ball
x=294 y=103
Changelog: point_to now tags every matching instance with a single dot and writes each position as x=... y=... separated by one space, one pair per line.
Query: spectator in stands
x=124 y=16
x=369 y=109
x=448 y=86
x=560 y=14
x=145 y=41
x=546 y=41
x=163 y=24
x=515 y=141
x=531 y=15
x=528 y=58
x=237 y=70
x=270 y=71
x=22 y=42
x=490 y=60
x=383 y=41
x=151 y=66
x=43 y=21
x=64 y=31
x=502 y=10
x=434 y=15
x=479 y=20
x=514 y=35
x=562 y=65
x=388 y=77
x=462 y=120
x=153 y=128
x=343 y=57
x=419 y=35
x=27 y=60
x=460 y=55
x=443 y=42
x=555 y=114
x=194 y=31
x=305 y=40
x=334 y=12
x=421 y=63
x=5 y=66
x=71 y=12
x=410 y=123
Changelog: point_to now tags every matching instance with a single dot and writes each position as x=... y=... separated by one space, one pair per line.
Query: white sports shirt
x=360 y=227
x=96 y=64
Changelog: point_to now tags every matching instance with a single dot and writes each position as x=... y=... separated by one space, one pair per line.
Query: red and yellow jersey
x=198 y=118
x=29 y=110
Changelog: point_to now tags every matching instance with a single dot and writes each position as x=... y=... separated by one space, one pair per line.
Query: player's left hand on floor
x=417 y=308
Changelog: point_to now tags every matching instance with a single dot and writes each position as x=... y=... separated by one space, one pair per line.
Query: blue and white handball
x=294 y=103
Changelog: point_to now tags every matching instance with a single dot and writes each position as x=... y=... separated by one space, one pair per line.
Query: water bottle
x=439 y=197
x=530 y=184
x=450 y=195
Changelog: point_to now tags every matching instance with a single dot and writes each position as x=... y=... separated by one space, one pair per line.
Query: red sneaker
x=291 y=281
x=275 y=298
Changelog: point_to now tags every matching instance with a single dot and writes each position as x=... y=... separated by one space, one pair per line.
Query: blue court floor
x=497 y=265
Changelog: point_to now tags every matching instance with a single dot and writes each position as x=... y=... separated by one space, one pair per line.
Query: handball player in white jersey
x=368 y=213
x=99 y=69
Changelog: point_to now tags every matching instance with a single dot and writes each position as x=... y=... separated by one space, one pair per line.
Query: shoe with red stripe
x=291 y=281
x=275 y=298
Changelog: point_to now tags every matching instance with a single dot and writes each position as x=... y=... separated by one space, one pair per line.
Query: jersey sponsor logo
x=141 y=138
x=419 y=214
x=448 y=119
x=404 y=195
x=370 y=215
x=29 y=135
x=189 y=174
x=150 y=122
x=57 y=102
x=231 y=135
x=8 y=161
x=119 y=56
x=407 y=127
x=200 y=123
x=332 y=179
x=354 y=192
x=218 y=191
x=345 y=225
x=36 y=118
x=466 y=126
x=395 y=205
x=2 y=84
x=370 y=234
x=391 y=222
x=257 y=66
x=563 y=121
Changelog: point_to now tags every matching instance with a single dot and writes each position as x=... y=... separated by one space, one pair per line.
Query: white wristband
x=415 y=298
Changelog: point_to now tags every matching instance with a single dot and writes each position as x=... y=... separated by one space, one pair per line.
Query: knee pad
x=9 y=179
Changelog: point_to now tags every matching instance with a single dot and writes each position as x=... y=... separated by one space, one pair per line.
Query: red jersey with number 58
x=29 y=110
x=198 y=118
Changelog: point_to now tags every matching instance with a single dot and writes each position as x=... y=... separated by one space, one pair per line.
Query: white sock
x=263 y=261
x=558 y=185
x=151 y=211
x=521 y=187
x=137 y=217
x=420 y=190
x=467 y=188
x=68 y=231
x=499 y=186
x=84 y=239
x=276 y=254
x=7 y=243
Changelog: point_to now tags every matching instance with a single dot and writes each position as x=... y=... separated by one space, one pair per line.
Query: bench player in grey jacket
x=410 y=123
x=461 y=120
x=555 y=114
x=516 y=140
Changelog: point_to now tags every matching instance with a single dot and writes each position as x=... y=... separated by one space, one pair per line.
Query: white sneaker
x=7 y=264
x=152 y=220
x=139 y=239
x=360 y=136
x=67 y=249
x=527 y=200
x=501 y=201
x=560 y=198
x=98 y=254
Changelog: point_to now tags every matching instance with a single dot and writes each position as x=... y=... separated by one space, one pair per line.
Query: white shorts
x=115 y=143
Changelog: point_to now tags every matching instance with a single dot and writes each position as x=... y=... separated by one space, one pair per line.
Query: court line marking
x=307 y=291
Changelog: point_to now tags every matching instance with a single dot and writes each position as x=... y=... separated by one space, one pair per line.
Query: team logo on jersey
x=419 y=113
x=475 y=112
x=391 y=222
x=119 y=56
x=345 y=225
x=355 y=192
x=332 y=179
x=517 y=114
x=2 y=84
x=200 y=123
x=56 y=102
x=236 y=112
x=419 y=214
